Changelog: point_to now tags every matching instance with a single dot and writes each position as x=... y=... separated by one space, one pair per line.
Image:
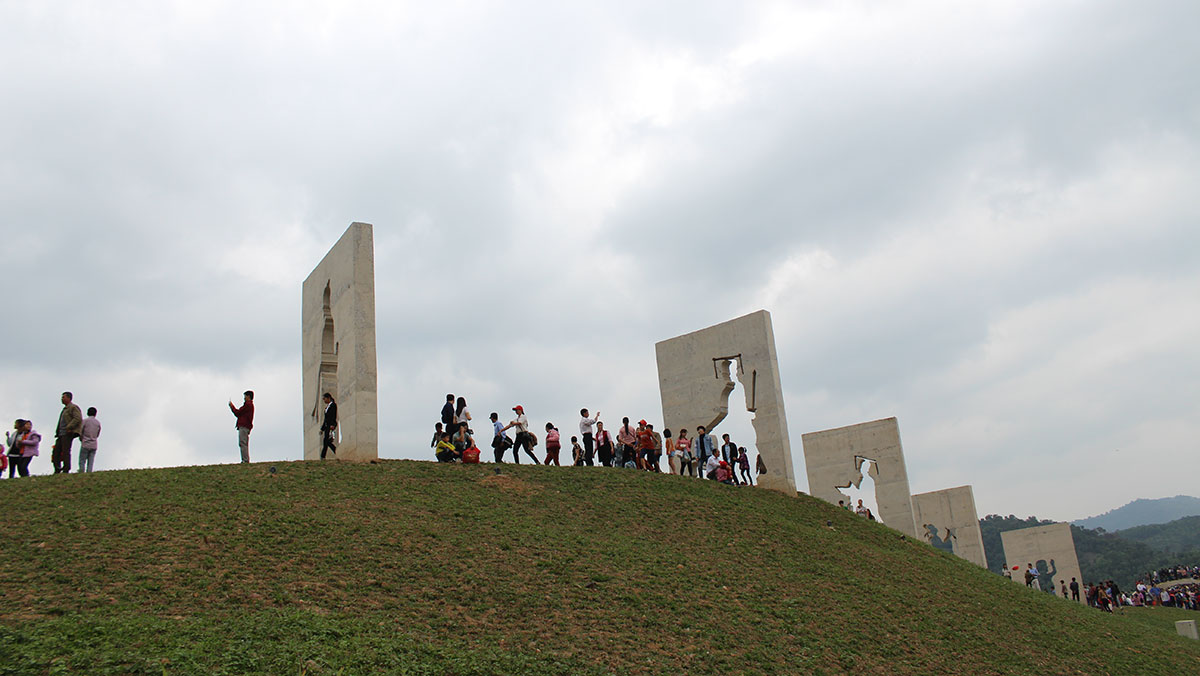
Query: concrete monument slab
x=695 y=378
x=338 y=350
x=949 y=514
x=834 y=458
x=1051 y=549
x=1187 y=628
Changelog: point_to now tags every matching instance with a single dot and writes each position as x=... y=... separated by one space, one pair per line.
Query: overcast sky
x=980 y=218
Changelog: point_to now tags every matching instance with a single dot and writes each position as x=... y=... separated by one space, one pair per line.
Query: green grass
x=418 y=568
x=1160 y=618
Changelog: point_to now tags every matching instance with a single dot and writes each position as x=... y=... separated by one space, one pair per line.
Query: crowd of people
x=633 y=445
x=23 y=443
x=1109 y=597
x=1170 y=573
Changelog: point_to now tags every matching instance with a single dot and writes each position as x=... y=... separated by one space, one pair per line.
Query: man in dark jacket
x=245 y=423
x=448 y=416
x=70 y=425
x=329 y=425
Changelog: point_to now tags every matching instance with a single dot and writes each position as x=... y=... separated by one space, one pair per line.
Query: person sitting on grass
x=710 y=467
x=445 y=449
x=462 y=439
x=576 y=452
x=725 y=475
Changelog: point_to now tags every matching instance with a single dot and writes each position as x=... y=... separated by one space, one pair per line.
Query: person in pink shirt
x=553 y=444
x=683 y=450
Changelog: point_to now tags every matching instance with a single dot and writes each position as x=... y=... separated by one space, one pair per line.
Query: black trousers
x=327 y=442
x=60 y=456
x=606 y=455
x=588 y=450
x=18 y=465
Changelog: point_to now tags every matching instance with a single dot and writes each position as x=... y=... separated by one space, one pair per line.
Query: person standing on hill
x=22 y=447
x=625 y=441
x=702 y=447
x=1074 y=590
x=462 y=414
x=743 y=463
x=656 y=451
x=585 y=431
x=645 y=445
x=88 y=441
x=604 y=446
x=668 y=446
x=553 y=444
x=683 y=447
x=448 y=415
x=245 y=423
x=329 y=425
x=70 y=425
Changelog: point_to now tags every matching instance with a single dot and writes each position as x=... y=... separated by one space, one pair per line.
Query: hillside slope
x=1175 y=538
x=407 y=567
x=1143 y=512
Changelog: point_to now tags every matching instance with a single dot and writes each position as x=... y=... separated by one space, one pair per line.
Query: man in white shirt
x=710 y=467
x=585 y=431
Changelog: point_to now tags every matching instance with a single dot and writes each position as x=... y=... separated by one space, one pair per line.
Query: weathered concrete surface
x=1051 y=549
x=1187 y=628
x=338 y=350
x=833 y=459
x=695 y=378
x=951 y=512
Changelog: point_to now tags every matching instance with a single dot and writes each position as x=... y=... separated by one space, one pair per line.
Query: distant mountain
x=1143 y=512
x=1177 y=537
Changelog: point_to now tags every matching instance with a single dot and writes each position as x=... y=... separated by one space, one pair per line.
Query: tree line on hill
x=1108 y=556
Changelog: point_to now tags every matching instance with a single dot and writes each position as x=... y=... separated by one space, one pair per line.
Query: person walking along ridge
x=70 y=425
x=245 y=423
x=329 y=425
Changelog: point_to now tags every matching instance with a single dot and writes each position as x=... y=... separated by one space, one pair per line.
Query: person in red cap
x=645 y=444
x=522 y=440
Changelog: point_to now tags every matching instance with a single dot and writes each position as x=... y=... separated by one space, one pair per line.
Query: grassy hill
x=418 y=568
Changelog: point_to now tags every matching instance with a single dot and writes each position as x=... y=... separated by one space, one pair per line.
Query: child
x=437 y=435
x=445 y=449
x=743 y=463
x=577 y=451
x=725 y=474
x=552 y=444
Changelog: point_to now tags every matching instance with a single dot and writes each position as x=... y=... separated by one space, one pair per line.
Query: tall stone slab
x=338 y=349
x=833 y=459
x=1051 y=549
x=696 y=374
x=949 y=514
